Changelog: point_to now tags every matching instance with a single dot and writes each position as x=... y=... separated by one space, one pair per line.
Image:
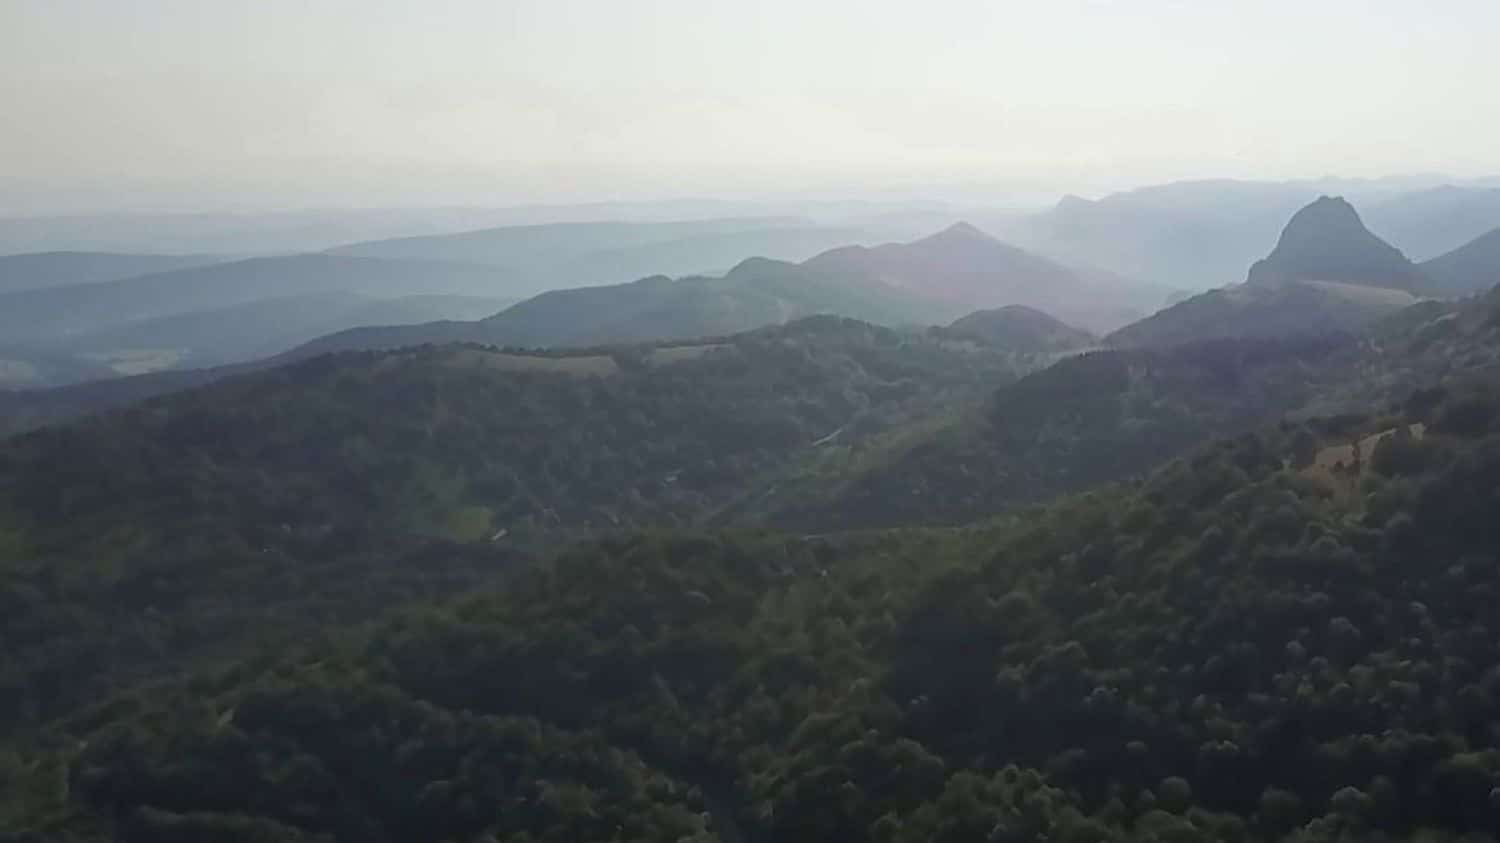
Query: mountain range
x=1327 y=274
x=934 y=279
x=1225 y=574
x=35 y=271
x=1202 y=234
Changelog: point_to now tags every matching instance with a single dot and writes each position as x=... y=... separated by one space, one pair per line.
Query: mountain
x=1202 y=234
x=1327 y=241
x=1328 y=274
x=1018 y=328
x=561 y=255
x=756 y=293
x=1432 y=222
x=930 y=280
x=48 y=314
x=39 y=270
x=971 y=270
x=1470 y=268
x=1192 y=235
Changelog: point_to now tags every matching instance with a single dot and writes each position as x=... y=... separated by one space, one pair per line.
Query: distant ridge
x=1471 y=268
x=1327 y=275
x=41 y=270
x=1019 y=328
x=932 y=280
x=973 y=270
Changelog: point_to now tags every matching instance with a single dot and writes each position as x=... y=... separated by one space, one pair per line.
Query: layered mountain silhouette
x=1471 y=268
x=1245 y=311
x=39 y=270
x=1327 y=241
x=1327 y=274
x=971 y=269
x=577 y=254
x=47 y=314
x=932 y=280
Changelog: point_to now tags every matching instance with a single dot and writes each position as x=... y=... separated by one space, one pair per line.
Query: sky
x=223 y=103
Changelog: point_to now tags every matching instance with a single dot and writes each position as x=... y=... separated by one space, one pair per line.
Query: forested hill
x=184 y=523
x=1255 y=644
x=1107 y=415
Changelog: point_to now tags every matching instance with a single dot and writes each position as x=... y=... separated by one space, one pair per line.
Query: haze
x=212 y=105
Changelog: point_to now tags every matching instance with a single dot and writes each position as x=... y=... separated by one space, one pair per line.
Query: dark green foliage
x=1231 y=648
x=267 y=505
x=1096 y=418
x=1224 y=652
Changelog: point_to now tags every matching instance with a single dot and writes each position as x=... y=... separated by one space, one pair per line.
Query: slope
x=931 y=280
x=1226 y=652
x=1471 y=268
x=1246 y=311
x=39 y=270
x=1435 y=221
x=1108 y=415
x=268 y=326
x=755 y=293
x=972 y=270
x=50 y=313
x=177 y=528
x=559 y=255
x=1192 y=235
x=1018 y=328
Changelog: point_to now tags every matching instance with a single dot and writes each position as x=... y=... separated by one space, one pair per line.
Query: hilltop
x=1018 y=328
x=1327 y=241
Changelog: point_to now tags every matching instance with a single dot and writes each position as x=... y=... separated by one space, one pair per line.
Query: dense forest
x=333 y=488
x=249 y=611
x=1240 y=647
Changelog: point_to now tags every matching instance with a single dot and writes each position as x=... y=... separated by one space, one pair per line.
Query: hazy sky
x=345 y=102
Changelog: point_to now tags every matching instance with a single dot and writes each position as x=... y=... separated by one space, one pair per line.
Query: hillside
x=1327 y=275
x=1252 y=643
x=931 y=280
x=39 y=270
x=1108 y=415
x=58 y=312
x=1327 y=241
x=266 y=327
x=1018 y=328
x=1437 y=220
x=1471 y=268
x=1259 y=311
x=260 y=495
x=756 y=293
x=1202 y=234
x=1227 y=651
x=561 y=255
x=1094 y=418
x=971 y=270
